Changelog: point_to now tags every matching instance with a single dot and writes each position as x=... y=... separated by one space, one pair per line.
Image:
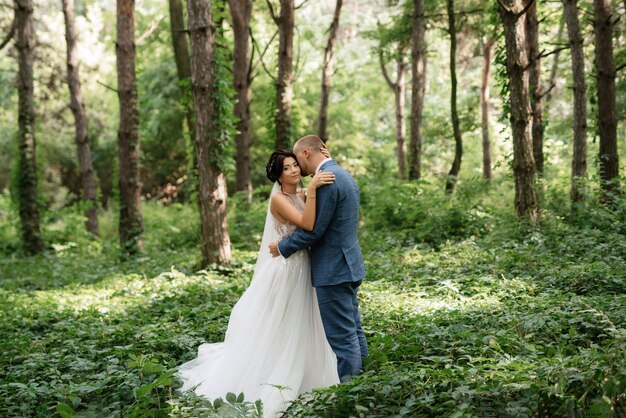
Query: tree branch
x=301 y=4
x=545 y=93
x=149 y=31
x=269 y=4
x=621 y=67
x=296 y=69
x=10 y=34
x=255 y=44
x=382 y=66
x=250 y=63
x=525 y=9
x=506 y=9
x=108 y=87
x=543 y=54
x=461 y=13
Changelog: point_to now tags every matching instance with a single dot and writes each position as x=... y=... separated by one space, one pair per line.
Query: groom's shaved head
x=311 y=142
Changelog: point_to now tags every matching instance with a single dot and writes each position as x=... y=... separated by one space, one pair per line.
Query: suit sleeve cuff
x=278 y=247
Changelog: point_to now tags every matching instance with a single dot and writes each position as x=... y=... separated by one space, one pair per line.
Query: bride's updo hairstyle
x=274 y=167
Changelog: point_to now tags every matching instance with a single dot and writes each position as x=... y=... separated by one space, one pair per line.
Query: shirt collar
x=324 y=161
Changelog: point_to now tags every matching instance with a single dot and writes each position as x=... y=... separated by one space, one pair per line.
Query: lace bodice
x=288 y=228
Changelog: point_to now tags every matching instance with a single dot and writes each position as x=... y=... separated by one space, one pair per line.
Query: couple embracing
x=297 y=327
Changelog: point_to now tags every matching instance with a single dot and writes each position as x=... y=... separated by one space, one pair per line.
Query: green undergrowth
x=468 y=312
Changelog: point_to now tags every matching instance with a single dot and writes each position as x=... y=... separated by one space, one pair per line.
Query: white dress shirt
x=319 y=167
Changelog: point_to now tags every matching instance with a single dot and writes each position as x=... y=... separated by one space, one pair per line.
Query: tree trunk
x=526 y=204
x=607 y=125
x=130 y=224
x=28 y=207
x=179 y=40
x=241 y=12
x=78 y=110
x=579 y=157
x=418 y=85
x=215 y=241
x=327 y=72
x=183 y=69
x=106 y=191
x=399 y=91
x=484 y=105
x=284 y=82
x=555 y=63
x=458 y=140
x=400 y=116
x=532 y=31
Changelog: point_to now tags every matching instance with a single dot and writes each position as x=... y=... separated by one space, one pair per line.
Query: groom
x=336 y=261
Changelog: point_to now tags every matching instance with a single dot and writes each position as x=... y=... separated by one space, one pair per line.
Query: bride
x=275 y=347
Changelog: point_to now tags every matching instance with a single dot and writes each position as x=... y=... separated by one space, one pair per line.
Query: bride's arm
x=281 y=207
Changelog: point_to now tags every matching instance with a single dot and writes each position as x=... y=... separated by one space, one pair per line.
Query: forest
x=486 y=139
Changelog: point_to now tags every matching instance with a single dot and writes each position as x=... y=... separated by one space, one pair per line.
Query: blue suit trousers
x=339 y=309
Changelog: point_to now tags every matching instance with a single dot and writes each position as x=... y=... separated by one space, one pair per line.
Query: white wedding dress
x=275 y=347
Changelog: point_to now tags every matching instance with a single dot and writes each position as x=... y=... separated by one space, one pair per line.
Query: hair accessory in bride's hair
x=269 y=169
x=274 y=167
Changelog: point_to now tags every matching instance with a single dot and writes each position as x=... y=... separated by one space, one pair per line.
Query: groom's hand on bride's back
x=274 y=249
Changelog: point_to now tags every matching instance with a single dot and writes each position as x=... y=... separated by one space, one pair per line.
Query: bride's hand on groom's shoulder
x=325 y=151
x=320 y=179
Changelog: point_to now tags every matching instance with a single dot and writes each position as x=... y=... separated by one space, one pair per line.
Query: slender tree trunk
x=536 y=100
x=555 y=62
x=327 y=72
x=183 y=69
x=458 y=139
x=131 y=223
x=484 y=106
x=579 y=157
x=241 y=12
x=106 y=191
x=418 y=85
x=179 y=40
x=607 y=124
x=399 y=91
x=78 y=110
x=215 y=241
x=28 y=207
x=526 y=204
x=284 y=82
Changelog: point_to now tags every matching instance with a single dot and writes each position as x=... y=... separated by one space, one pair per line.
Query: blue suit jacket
x=335 y=252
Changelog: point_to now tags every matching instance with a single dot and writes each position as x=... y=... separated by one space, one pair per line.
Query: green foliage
x=222 y=150
x=467 y=311
x=515 y=322
x=466 y=314
x=96 y=336
x=246 y=220
x=9 y=225
x=502 y=77
x=164 y=155
x=419 y=215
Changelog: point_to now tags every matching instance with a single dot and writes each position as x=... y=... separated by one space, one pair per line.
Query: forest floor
x=467 y=311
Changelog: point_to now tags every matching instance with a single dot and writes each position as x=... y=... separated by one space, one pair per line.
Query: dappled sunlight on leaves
x=484 y=322
x=380 y=299
x=114 y=295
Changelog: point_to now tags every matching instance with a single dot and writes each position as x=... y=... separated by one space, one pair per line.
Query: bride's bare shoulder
x=277 y=198
x=277 y=202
